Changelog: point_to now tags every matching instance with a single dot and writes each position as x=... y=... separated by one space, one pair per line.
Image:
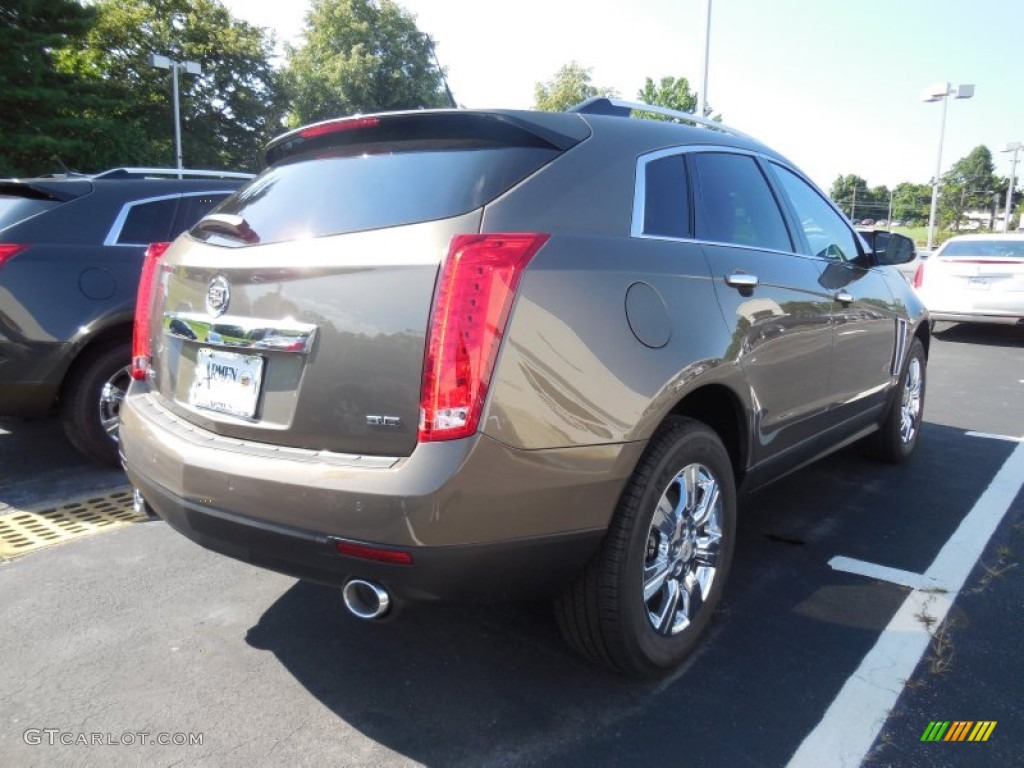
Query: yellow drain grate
x=24 y=531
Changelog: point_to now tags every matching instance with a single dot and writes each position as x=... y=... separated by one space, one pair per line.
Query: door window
x=735 y=203
x=826 y=231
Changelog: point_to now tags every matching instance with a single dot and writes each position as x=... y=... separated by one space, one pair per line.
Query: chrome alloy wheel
x=683 y=549
x=910 y=405
x=111 y=397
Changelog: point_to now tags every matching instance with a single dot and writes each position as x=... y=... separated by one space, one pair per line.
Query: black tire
x=604 y=614
x=85 y=418
x=896 y=440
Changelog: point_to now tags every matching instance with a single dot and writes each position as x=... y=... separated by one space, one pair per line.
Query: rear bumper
x=1002 y=318
x=481 y=520
x=525 y=569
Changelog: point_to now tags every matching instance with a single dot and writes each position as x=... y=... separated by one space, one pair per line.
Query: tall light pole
x=941 y=92
x=191 y=68
x=702 y=94
x=1013 y=146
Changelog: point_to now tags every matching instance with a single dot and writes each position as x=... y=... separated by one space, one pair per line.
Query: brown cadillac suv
x=472 y=355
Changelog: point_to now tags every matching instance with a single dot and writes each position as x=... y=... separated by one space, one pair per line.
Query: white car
x=975 y=279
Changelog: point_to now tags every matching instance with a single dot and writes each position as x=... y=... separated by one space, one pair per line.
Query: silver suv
x=473 y=355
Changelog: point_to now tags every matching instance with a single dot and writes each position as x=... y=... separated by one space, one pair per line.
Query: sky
x=834 y=86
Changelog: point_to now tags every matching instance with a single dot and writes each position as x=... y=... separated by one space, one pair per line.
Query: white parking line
x=885 y=573
x=991 y=436
x=857 y=714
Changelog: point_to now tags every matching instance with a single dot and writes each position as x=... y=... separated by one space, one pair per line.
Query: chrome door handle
x=844 y=298
x=741 y=280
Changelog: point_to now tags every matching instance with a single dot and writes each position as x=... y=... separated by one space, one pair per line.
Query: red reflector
x=8 y=250
x=142 y=351
x=472 y=302
x=377 y=554
x=336 y=126
x=919 y=276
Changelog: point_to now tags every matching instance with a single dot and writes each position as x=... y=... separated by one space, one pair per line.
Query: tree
x=971 y=184
x=361 y=56
x=227 y=113
x=851 y=194
x=39 y=131
x=570 y=85
x=670 y=92
x=911 y=202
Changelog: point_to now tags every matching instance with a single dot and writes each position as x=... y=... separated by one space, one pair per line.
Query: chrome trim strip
x=902 y=329
x=241 y=332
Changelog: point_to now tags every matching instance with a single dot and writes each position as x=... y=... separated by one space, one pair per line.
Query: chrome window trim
x=640 y=188
x=122 y=216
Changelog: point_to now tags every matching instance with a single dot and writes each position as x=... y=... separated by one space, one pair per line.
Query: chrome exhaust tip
x=365 y=599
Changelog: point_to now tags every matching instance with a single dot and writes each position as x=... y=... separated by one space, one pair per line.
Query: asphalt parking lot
x=137 y=634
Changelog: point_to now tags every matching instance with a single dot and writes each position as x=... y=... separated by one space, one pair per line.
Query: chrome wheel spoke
x=111 y=397
x=665 y=520
x=664 y=619
x=708 y=503
x=655 y=576
x=708 y=547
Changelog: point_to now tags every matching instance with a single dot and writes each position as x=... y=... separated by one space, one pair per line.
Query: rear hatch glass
x=368 y=173
x=15 y=208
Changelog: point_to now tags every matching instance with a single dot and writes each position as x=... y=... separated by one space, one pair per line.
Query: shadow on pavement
x=978 y=333
x=495 y=685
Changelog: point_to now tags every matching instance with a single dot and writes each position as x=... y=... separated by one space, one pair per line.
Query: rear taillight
x=8 y=250
x=142 y=351
x=919 y=276
x=472 y=302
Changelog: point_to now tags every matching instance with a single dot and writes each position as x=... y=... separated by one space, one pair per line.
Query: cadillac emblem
x=218 y=294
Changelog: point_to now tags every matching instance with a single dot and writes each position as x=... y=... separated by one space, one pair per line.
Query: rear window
x=350 y=189
x=974 y=248
x=14 y=209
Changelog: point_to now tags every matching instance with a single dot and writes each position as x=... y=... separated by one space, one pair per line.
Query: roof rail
x=141 y=173
x=601 y=105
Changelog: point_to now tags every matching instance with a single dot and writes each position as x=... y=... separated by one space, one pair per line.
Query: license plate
x=226 y=382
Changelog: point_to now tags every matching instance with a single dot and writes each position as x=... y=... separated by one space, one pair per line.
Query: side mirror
x=900 y=250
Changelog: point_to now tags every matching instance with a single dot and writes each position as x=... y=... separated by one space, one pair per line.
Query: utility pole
x=702 y=94
x=853 y=204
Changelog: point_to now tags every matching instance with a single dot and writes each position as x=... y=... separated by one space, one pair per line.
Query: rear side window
x=351 y=189
x=148 y=222
x=14 y=209
x=735 y=203
x=666 y=198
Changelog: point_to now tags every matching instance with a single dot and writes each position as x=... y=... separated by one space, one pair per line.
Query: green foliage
x=911 y=202
x=671 y=93
x=43 y=112
x=570 y=85
x=227 y=113
x=361 y=56
x=971 y=184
